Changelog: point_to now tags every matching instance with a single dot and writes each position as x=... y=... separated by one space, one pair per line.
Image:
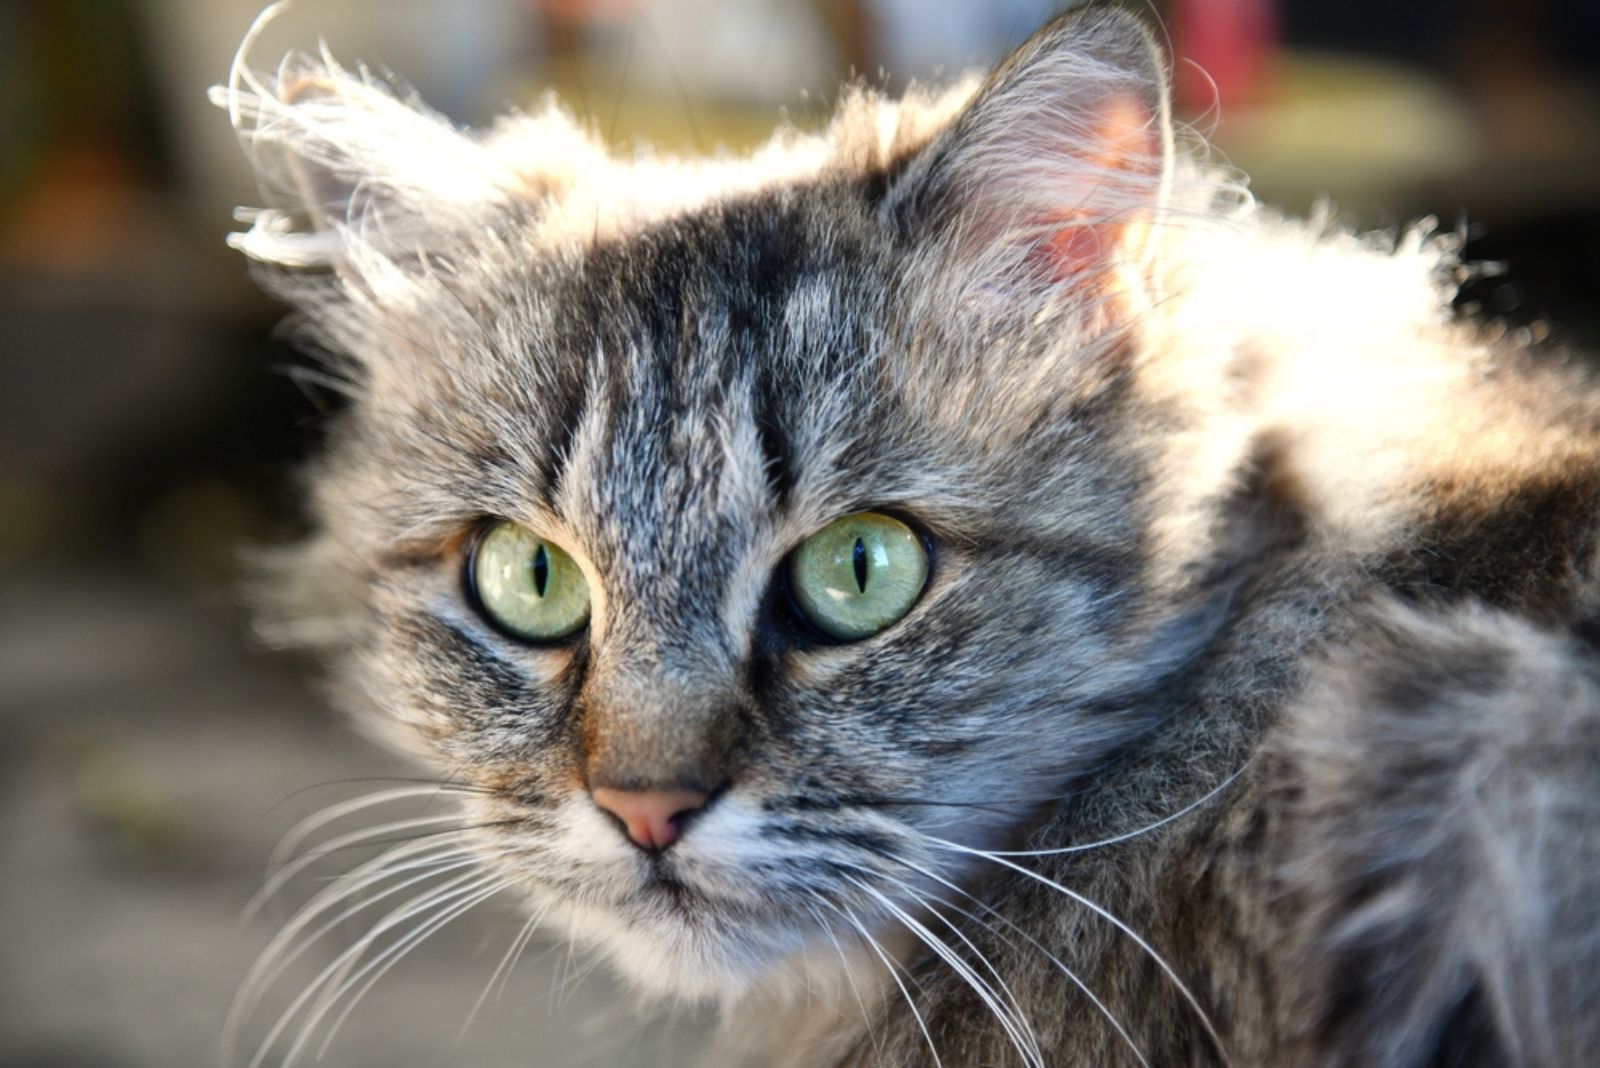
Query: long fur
x=1249 y=716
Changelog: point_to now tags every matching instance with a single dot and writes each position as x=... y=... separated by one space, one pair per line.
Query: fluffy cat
x=1218 y=683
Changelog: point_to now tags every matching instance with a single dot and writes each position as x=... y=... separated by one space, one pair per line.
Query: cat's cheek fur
x=429 y=675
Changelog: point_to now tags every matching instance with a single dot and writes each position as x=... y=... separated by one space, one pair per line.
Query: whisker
x=567 y=965
x=369 y=874
x=574 y=979
x=849 y=975
x=1072 y=976
x=643 y=15
x=429 y=785
x=1103 y=913
x=278 y=957
x=386 y=865
x=514 y=950
x=395 y=954
x=509 y=821
x=1146 y=829
x=872 y=944
x=289 y=869
x=1019 y=1032
x=930 y=802
x=981 y=956
x=433 y=898
x=317 y=820
x=398 y=917
x=527 y=936
x=399 y=859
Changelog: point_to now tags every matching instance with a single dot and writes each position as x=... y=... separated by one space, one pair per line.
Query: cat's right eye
x=526 y=585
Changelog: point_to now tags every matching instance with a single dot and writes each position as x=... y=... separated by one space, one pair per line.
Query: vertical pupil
x=541 y=570
x=858 y=559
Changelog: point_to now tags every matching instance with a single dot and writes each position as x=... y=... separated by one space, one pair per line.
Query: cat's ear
x=1052 y=178
x=345 y=163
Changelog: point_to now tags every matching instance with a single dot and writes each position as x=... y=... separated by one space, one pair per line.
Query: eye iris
x=858 y=575
x=528 y=586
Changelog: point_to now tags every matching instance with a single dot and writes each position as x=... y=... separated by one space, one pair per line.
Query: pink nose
x=650 y=816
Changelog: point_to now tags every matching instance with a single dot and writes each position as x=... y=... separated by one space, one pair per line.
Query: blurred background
x=152 y=754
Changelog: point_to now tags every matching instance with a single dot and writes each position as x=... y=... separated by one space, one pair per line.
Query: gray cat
x=969 y=587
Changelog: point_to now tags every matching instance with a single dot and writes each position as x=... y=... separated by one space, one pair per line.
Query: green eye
x=859 y=574
x=527 y=585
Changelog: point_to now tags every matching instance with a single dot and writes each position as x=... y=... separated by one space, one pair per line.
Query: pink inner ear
x=1129 y=140
x=1077 y=251
x=1126 y=146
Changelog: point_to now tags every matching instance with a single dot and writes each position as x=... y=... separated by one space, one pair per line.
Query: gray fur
x=1159 y=576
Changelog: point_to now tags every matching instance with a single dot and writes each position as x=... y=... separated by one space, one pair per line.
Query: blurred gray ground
x=151 y=762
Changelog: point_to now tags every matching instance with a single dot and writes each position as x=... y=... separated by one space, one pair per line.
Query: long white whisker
x=1018 y=1031
x=849 y=976
x=1146 y=829
x=278 y=957
x=395 y=954
x=1072 y=976
x=282 y=876
x=518 y=940
x=433 y=898
x=317 y=820
x=464 y=885
x=1103 y=913
x=574 y=980
x=978 y=953
x=872 y=944
x=369 y=873
x=566 y=967
x=522 y=948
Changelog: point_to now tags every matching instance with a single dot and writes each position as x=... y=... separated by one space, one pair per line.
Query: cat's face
x=679 y=403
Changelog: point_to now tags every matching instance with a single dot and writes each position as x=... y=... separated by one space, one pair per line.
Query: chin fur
x=666 y=953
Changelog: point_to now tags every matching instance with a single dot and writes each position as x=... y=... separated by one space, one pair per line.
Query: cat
x=967 y=587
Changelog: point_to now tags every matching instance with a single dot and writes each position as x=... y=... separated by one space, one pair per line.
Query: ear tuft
x=342 y=158
x=1055 y=173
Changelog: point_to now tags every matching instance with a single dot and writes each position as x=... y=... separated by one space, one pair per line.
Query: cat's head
x=738 y=529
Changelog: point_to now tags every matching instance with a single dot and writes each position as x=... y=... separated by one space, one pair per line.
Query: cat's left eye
x=858 y=575
x=528 y=586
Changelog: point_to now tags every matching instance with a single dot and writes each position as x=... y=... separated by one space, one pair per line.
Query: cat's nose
x=649 y=816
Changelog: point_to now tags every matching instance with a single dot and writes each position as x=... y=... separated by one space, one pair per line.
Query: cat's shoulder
x=1440 y=780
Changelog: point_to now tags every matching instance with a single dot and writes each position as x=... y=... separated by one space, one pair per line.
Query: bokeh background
x=151 y=753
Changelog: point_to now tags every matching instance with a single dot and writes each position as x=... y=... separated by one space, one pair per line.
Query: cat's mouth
x=674 y=939
x=678 y=890
x=663 y=884
x=734 y=902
